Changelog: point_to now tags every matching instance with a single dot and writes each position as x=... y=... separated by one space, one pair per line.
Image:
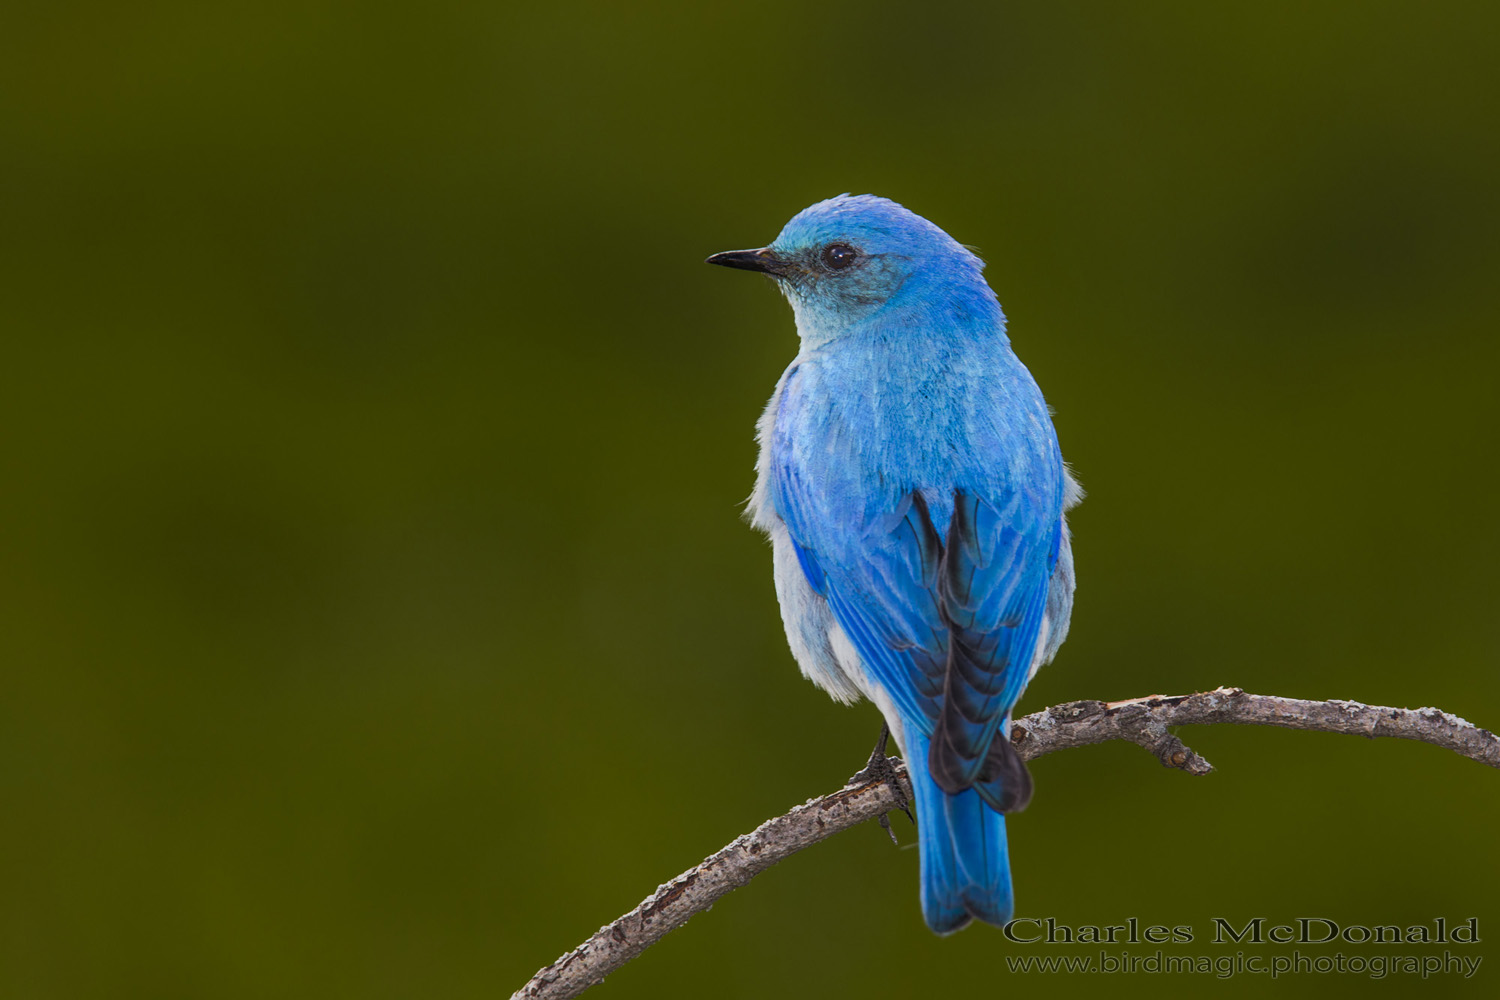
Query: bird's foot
x=880 y=770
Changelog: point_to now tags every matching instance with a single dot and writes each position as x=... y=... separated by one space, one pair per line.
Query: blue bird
x=912 y=487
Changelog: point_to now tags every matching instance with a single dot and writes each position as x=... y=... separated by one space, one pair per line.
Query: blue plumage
x=912 y=487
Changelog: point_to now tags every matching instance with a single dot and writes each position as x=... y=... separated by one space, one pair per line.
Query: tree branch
x=1142 y=721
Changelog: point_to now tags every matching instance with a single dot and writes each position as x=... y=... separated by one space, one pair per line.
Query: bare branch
x=1142 y=721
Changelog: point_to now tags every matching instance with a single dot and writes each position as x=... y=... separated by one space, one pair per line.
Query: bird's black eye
x=839 y=256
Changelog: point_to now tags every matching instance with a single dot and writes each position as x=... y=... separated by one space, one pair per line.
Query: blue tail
x=965 y=865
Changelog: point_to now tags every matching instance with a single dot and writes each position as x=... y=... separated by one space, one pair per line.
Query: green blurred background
x=376 y=616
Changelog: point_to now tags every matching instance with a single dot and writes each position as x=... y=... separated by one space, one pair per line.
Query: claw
x=877 y=770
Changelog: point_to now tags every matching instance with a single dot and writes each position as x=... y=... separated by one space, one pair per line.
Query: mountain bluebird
x=914 y=494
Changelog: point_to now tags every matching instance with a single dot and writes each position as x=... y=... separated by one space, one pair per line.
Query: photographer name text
x=1256 y=930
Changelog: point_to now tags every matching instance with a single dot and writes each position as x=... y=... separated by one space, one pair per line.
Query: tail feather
x=965 y=865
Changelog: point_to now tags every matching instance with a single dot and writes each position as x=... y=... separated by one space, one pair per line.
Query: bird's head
x=843 y=260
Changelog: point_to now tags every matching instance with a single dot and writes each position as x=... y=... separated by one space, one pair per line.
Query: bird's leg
x=878 y=769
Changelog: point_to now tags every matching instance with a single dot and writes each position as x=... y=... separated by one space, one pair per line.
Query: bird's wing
x=943 y=596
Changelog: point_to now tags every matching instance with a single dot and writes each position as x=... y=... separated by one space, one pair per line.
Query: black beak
x=763 y=260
